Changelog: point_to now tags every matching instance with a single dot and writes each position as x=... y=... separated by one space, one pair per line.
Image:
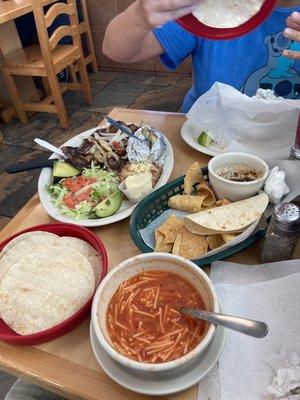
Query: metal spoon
x=49 y=147
x=249 y=327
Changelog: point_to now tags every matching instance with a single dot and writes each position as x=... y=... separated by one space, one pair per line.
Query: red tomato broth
x=143 y=321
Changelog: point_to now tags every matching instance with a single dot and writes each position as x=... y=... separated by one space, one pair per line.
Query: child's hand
x=293 y=32
x=158 y=12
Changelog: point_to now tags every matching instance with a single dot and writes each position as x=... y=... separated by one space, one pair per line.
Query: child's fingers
x=295 y=55
x=293 y=21
x=292 y=34
x=172 y=5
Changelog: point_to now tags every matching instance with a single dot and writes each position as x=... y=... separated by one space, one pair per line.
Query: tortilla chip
x=193 y=176
x=170 y=229
x=204 y=190
x=227 y=237
x=160 y=245
x=191 y=204
x=177 y=244
x=215 y=241
x=190 y=246
x=223 y=202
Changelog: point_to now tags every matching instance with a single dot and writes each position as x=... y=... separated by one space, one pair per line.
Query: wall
x=101 y=12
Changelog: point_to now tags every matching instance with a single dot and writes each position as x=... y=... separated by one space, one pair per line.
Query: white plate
x=126 y=209
x=190 y=133
x=159 y=386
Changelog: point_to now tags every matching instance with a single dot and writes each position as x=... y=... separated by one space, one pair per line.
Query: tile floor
x=142 y=90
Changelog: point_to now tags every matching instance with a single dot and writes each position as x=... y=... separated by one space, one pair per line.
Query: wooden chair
x=46 y=60
x=85 y=30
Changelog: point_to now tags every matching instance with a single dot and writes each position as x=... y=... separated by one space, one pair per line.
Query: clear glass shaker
x=282 y=233
x=295 y=150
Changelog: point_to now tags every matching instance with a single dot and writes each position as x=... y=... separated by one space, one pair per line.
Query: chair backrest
x=44 y=21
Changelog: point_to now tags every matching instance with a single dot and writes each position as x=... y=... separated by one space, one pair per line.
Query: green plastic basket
x=156 y=203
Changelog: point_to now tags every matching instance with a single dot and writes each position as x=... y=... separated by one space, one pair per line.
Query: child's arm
x=129 y=38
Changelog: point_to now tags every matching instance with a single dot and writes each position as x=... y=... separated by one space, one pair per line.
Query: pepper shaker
x=282 y=233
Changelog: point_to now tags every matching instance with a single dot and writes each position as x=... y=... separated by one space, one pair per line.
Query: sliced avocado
x=204 y=139
x=110 y=205
x=63 y=169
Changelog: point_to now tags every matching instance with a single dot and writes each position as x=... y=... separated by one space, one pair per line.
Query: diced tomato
x=69 y=201
x=75 y=184
x=118 y=148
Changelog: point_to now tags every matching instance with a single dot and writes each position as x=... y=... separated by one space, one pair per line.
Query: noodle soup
x=143 y=321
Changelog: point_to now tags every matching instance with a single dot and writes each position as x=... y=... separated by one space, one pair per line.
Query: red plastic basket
x=66 y=326
x=193 y=25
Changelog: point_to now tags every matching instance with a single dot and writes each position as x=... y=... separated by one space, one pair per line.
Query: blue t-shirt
x=247 y=63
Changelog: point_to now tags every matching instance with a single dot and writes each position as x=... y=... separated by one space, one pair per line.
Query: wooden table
x=10 y=42
x=67 y=365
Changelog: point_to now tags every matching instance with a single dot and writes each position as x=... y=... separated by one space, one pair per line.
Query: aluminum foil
x=152 y=148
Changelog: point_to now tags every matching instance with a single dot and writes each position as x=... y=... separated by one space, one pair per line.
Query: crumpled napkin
x=286 y=382
x=275 y=185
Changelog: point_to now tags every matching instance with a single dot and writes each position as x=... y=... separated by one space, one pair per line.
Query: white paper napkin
x=248 y=367
x=266 y=128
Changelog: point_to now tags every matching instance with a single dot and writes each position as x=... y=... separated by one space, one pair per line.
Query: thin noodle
x=174 y=311
x=139 y=334
x=165 y=313
x=151 y=289
x=143 y=340
x=156 y=298
x=155 y=350
x=136 y=293
x=158 y=345
x=161 y=322
x=195 y=333
x=134 y=286
x=171 y=333
x=143 y=313
x=121 y=326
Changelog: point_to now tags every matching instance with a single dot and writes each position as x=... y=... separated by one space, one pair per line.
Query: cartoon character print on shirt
x=279 y=74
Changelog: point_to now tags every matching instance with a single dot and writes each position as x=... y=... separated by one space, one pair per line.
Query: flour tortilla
x=33 y=241
x=43 y=289
x=87 y=251
x=24 y=244
x=226 y=13
x=34 y=235
x=230 y=218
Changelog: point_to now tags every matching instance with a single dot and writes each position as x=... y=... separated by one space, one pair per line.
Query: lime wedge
x=204 y=139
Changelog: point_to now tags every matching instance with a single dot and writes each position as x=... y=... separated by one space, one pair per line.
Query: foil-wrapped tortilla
x=152 y=147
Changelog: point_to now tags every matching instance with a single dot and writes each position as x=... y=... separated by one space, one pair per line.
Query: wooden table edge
x=63 y=378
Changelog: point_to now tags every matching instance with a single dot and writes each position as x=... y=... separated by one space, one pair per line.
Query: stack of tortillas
x=45 y=279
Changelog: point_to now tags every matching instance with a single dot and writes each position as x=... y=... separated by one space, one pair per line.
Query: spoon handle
x=122 y=128
x=249 y=327
x=49 y=146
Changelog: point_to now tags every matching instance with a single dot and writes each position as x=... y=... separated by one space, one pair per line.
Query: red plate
x=193 y=25
x=88 y=236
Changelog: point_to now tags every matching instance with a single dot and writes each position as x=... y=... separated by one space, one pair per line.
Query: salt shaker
x=282 y=233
